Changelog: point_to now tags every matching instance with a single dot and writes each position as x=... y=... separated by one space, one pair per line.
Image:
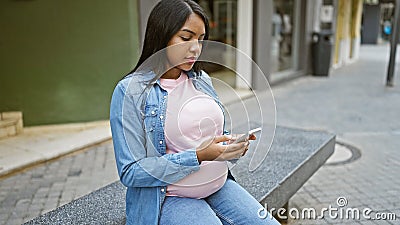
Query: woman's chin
x=186 y=66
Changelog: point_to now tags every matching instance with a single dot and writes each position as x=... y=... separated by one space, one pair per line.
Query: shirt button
x=161 y=117
x=162 y=189
x=165 y=96
x=152 y=112
x=161 y=142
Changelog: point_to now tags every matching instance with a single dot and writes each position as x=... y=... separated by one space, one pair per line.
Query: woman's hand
x=236 y=136
x=212 y=149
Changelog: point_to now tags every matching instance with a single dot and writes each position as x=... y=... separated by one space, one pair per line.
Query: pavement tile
x=20 y=157
x=15 y=221
x=3 y=218
x=52 y=190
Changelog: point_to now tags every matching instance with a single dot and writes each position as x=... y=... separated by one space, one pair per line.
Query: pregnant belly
x=204 y=182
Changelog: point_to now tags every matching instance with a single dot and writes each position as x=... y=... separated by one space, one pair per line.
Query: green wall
x=60 y=60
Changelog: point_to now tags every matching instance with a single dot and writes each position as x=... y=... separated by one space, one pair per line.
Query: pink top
x=191 y=118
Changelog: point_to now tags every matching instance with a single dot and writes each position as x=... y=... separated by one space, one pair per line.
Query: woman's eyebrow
x=192 y=32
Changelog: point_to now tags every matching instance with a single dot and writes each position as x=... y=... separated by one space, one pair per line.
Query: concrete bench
x=294 y=157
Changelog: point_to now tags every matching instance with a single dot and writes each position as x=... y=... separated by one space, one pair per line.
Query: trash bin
x=322 y=52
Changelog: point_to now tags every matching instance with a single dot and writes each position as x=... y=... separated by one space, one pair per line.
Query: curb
x=38 y=150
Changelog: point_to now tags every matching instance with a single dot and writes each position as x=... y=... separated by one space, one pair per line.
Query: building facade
x=348 y=31
x=276 y=34
x=61 y=60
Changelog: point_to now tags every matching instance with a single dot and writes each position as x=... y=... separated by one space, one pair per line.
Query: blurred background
x=60 y=60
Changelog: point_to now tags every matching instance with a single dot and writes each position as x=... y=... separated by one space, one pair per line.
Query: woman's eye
x=185 y=38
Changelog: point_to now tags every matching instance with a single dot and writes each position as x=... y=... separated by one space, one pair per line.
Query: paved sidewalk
x=41 y=143
x=37 y=190
x=355 y=104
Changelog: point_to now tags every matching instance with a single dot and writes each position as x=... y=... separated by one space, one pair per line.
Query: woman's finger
x=234 y=137
x=222 y=138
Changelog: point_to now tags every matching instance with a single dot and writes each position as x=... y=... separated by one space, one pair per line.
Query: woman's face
x=185 y=46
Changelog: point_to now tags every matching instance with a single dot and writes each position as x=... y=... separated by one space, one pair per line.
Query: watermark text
x=340 y=211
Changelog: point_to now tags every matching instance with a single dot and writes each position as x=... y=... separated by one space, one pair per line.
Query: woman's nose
x=195 y=47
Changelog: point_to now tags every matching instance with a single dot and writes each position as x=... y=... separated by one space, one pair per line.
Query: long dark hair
x=165 y=20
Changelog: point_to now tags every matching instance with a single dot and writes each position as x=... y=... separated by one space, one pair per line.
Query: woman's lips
x=191 y=60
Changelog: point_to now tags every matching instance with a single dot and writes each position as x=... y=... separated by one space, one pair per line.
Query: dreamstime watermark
x=340 y=211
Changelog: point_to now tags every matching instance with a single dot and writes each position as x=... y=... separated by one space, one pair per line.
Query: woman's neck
x=173 y=73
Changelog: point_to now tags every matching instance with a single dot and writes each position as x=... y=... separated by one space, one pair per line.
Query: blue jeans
x=230 y=205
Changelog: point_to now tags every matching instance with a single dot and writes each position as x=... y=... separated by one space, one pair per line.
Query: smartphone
x=246 y=136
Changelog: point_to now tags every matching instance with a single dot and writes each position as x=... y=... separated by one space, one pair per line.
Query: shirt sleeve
x=138 y=162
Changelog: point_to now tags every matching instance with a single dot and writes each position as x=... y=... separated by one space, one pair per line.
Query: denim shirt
x=137 y=117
